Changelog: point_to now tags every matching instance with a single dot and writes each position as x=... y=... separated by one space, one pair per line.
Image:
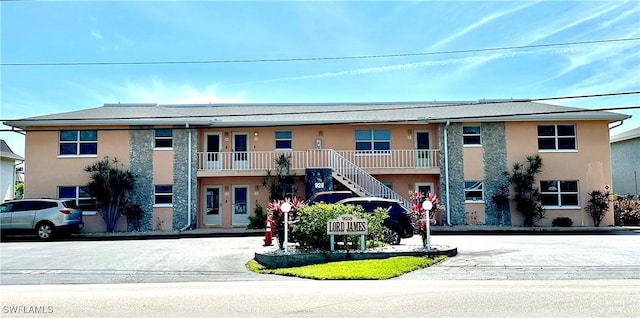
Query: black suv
x=399 y=222
x=329 y=197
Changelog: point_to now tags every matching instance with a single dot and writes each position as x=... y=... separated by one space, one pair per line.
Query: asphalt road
x=306 y=298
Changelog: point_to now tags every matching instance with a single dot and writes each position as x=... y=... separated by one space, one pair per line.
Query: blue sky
x=131 y=31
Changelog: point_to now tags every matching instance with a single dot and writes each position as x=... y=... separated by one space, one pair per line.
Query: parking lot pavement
x=129 y=261
x=205 y=259
x=533 y=257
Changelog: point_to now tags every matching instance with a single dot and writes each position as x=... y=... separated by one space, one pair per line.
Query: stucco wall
x=625 y=166
x=7 y=178
x=589 y=164
x=337 y=137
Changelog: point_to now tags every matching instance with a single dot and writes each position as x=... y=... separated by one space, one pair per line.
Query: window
x=471 y=135
x=164 y=138
x=473 y=191
x=283 y=139
x=163 y=194
x=78 y=142
x=79 y=194
x=559 y=193
x=373 y=141
x=557 y=137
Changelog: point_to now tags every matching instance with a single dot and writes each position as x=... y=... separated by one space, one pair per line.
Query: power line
x=355 y=57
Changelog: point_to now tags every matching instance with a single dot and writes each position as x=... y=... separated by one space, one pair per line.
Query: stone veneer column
x=141 y=165
x=495 y=168
x=456 y=173
x=181 y=178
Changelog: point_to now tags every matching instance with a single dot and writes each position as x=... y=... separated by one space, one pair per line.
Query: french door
x=212 y=210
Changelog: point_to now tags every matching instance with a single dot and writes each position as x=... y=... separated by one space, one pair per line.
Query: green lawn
x=360 y=269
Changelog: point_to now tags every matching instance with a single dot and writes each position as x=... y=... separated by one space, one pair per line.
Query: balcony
x=375 y=162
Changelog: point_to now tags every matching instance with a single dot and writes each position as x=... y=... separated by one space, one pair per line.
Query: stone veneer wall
x=314 y=176
x=495 y=169
x=456 y=173
x=141 y=165
x=181 y=178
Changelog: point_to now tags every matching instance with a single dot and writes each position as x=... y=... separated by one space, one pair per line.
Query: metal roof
x=233 y=115
x=626 y=135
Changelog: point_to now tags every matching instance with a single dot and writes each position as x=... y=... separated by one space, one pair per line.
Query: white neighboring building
x=625 y=162
x=8 y=175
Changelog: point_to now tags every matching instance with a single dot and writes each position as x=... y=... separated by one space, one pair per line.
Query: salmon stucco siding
x=204 y=165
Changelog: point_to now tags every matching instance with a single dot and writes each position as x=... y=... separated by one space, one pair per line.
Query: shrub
x=259 y=219
x=627 y=212
x=598 y=205
x=562 y=222
x=527 y=195
x=311 y=228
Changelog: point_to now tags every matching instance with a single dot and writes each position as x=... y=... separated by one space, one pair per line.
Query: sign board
x=347 y=224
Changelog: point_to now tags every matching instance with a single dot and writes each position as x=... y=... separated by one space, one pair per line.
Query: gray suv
x=46 y=217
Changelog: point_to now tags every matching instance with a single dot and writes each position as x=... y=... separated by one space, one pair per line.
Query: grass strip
x=372 y=269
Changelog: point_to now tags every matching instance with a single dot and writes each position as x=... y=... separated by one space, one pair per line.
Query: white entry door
x=212 y=156
x=212 y=210
x=240 y=205
x=240 y=151
x=425 y=187
x=423 y=157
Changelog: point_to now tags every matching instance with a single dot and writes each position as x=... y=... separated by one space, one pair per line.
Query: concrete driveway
x=537 y=256
x=485 y=257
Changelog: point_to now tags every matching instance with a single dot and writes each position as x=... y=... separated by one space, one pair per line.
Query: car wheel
x=45 y=231
x=391 y=237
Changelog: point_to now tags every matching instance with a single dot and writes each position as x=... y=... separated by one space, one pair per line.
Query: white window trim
x=561 y=150
x=472 y=135
x=77 y=199
x=78 y=156
x=163 y=138
x=162 y=205
x=372 y=141
x=564 y=207
x=77 y=143
x=283 y=139
x=559 y=194
x=556 y=137
x=465 y=192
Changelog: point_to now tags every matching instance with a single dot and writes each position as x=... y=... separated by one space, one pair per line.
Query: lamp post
x=286 y=207
x=427 y=206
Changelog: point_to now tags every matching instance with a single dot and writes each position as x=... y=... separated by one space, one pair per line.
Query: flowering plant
x=276 y=215
x=418 y=213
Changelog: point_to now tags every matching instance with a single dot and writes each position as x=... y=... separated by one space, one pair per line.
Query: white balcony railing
x=317 y=158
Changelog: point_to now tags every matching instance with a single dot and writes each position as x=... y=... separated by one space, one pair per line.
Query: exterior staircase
x=359 y=181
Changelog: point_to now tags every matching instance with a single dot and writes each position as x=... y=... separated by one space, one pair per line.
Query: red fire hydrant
x=268 y=234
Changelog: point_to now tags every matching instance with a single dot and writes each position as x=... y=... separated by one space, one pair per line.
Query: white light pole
x=427 y=206
x=286 y=207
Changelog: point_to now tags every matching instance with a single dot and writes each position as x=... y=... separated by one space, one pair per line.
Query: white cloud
x=567 y=20
x=480 y=23
x=156 y=90
x=96 y=34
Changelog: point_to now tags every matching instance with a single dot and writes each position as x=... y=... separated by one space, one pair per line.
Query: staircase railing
x=361 y=179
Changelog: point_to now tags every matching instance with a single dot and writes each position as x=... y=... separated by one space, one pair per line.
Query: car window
x=21 y=206
x=70 y=204
x=41 y=205
x=6 y=207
